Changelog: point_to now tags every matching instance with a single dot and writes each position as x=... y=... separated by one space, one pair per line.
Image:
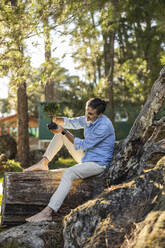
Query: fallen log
x=26 y=193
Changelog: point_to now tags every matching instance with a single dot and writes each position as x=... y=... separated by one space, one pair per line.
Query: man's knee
x=68 y=173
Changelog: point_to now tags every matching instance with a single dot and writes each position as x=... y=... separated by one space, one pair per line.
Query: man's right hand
x=58 y=120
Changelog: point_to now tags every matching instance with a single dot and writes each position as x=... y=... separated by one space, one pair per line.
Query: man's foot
x=44 y=215
x=41 y=165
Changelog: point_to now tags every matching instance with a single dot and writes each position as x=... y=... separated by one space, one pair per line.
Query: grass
x=1 y=178
x=0 y=215
x=64 y=163
x=1 y=181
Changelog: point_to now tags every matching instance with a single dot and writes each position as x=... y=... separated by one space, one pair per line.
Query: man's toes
x=28 y=220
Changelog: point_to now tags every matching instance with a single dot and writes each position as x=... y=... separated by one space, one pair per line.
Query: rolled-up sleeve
x=74 y=123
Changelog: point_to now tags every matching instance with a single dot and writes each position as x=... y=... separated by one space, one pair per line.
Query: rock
x=151 y=231
x=33 y=235
x=111 y=219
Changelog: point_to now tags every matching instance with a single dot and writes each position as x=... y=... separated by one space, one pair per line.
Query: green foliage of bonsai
x=51 y=108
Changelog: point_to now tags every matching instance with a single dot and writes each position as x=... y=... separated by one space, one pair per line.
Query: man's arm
x=70 y=123
x=69 y=136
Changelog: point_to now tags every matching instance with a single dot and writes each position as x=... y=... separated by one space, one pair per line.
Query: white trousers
x=80 y=170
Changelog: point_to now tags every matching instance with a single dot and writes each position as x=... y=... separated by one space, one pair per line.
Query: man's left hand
x=59 y=130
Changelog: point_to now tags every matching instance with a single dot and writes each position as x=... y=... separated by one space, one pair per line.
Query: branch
x=160 y=122
x=154 y=134
x=148 y=150
x=161 y=145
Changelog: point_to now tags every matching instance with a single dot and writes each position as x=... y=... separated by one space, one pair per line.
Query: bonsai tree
x=51 y=109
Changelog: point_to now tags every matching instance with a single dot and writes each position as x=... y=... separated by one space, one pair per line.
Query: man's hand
x=68 y=135
x=58 y=120
x=59 y=130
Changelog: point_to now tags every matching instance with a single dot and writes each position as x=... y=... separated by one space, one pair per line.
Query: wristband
x=64 y=132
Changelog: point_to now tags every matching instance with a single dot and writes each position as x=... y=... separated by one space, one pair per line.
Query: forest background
x=118 y=44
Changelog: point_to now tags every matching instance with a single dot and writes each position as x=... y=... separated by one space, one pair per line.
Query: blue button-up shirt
x=99 y=138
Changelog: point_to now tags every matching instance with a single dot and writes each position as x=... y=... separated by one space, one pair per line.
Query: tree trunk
x=133 y=154
x=109 y=40
x=22 y=111
x=49 y=87
x=109 y=43
x=49 y=91
x=13 y=2
x=110 y=76
x=23 y=135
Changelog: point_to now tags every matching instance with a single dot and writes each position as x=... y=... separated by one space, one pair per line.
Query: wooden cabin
x=9 y=125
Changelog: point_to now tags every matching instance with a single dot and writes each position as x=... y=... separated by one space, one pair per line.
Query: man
x=93 y=153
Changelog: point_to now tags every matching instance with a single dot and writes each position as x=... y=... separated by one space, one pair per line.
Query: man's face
x=91 y=114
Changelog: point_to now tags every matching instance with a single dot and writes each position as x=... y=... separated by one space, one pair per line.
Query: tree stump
x=26 y=193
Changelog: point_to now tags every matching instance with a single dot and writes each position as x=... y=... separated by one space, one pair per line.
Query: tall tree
x=49 y=86
x=94 y=36
x=141 y=38
x=22 y=103
x=48 y=12
x=18 y=26
x=109 y=25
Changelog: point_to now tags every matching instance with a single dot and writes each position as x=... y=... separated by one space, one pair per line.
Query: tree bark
x=109 y=68
x=23 y=135
x=49 y=86
x=113 y=219
x=109 y=43
x=110 y=76
x=22 y=112
x=132 y=154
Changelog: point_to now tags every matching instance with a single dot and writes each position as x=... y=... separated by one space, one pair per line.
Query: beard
x=88 y=122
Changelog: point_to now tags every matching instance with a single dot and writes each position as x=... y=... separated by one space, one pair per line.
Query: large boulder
x=126 y=215
x=36 y=235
